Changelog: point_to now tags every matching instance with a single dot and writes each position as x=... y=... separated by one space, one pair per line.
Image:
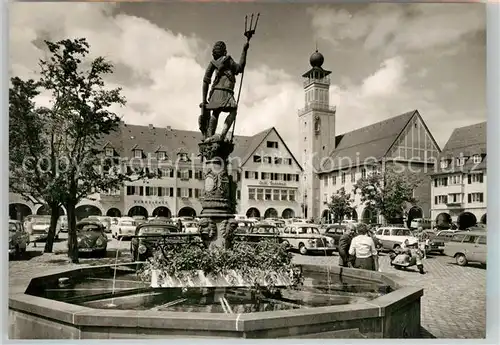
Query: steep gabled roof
x=372 y=141
x=464 y=141
x=257 y=140
x=468 y=140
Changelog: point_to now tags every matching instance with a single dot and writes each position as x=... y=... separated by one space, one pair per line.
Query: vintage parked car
x=432 y=243
x=19 y=238
x=306 y=238
x=391 y=238
x=259 y=232
x=467 y=246
x=105 y=220
x=190 y=227
x=445 y=235
x=39 y=228
x=125 y=228
x=147 y=236
x=62 y=224
x=335 y=232
x=244 y=225
x=91 y=237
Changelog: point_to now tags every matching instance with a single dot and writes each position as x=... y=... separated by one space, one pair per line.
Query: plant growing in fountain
x=265 y=265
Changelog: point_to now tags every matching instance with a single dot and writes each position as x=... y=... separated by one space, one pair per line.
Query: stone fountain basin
x=393 y=315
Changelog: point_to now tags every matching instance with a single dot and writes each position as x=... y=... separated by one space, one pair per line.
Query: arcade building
x=266 y=173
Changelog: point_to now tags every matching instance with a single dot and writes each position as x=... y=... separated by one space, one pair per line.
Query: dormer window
x=137 y=153
x=109 y=152
x=444 y=163
x=477 y=159
x=183 y=157
x=460 y=161
x=160 y=155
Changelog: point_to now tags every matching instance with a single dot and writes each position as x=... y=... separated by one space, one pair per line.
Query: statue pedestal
x=219 y=198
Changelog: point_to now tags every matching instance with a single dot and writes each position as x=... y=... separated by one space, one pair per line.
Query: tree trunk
x=54 y=216
x=72 y=236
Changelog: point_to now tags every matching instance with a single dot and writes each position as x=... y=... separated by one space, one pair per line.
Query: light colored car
x=306 y=238
x=39 y=228
x=392 y=238
x=467 y=246
x=190 y=227
x=62 y=224
x=18 y=238
x=125 y=228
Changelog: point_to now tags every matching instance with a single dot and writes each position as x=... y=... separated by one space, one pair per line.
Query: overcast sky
x=386 y=59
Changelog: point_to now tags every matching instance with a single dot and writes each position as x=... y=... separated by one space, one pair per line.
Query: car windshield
x=12 y=227
x=156 y=230
x=88 y=227
x=264 y=230
x=307 y=230
x=190 y=225
x=127 y=223
x=335 y=229
x=401 y=232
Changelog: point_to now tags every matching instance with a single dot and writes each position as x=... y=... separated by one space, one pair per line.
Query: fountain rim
x=81 y=316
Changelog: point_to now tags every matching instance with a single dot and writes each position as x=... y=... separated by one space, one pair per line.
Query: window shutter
x=141 y=190
x=246 y=174
x=435 y=182
x=171 y=192
x=469 y=197
x=190 y=191
x=435 y=200
x=469 y=180
x=190 y=173
x=178 y=174
x=147 y=191
x=480 y=178
x=480 y=197
x=178 y=192
x=160 y=191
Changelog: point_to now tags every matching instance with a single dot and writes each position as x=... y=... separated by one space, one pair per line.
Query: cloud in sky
x=396 y=27
x=161 y=71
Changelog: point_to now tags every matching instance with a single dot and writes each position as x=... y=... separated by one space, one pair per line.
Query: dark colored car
x=91 y=237
x=335 y=232
x=433 y=243
x=147 y=237
x=259 y=232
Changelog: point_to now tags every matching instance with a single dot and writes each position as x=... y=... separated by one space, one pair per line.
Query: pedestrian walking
x=344 y=245
x=363 y=250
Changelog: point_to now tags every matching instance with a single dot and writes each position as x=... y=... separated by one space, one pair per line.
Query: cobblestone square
x=453 y=305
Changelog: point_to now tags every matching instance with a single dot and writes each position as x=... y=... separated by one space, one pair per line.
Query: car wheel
x=441 y=252
x=397 y=247
x=102 y=253
x=302 y=249
x=461 y=259
x=17 y=252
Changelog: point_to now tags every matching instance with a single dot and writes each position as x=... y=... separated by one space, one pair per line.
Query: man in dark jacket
x=344 y=244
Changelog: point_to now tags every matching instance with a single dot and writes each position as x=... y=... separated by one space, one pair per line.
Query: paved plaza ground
x=453 y=305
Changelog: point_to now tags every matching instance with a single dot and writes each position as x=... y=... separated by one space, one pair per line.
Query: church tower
x=317 y=129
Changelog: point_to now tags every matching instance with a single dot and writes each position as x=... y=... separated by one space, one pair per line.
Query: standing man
x=363 y=249
x=344 y=245
x=221 y=97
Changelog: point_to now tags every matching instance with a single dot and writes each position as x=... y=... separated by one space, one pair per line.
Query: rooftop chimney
x=151 y=126
x=169 y=129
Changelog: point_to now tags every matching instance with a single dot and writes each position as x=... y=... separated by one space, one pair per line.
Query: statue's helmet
x=219 y=49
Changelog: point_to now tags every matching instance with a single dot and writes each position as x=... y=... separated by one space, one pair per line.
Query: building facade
x=459 y=188
x=172 y=155
x=334 y=161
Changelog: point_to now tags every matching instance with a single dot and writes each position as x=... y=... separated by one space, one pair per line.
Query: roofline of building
x=264 y=138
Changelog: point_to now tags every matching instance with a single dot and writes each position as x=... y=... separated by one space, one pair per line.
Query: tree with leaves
x=81 y=108
x=340 y=205
x=388 y=192
x=34 y=146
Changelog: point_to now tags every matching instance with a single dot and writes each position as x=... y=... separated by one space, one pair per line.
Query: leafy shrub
x=266 y=260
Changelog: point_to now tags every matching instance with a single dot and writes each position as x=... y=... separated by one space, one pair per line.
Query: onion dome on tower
x=317 y=73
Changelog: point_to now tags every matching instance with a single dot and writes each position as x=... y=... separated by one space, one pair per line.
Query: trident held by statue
x=249 y=32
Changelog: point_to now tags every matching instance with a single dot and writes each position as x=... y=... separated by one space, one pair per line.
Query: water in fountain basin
x=124 y=290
